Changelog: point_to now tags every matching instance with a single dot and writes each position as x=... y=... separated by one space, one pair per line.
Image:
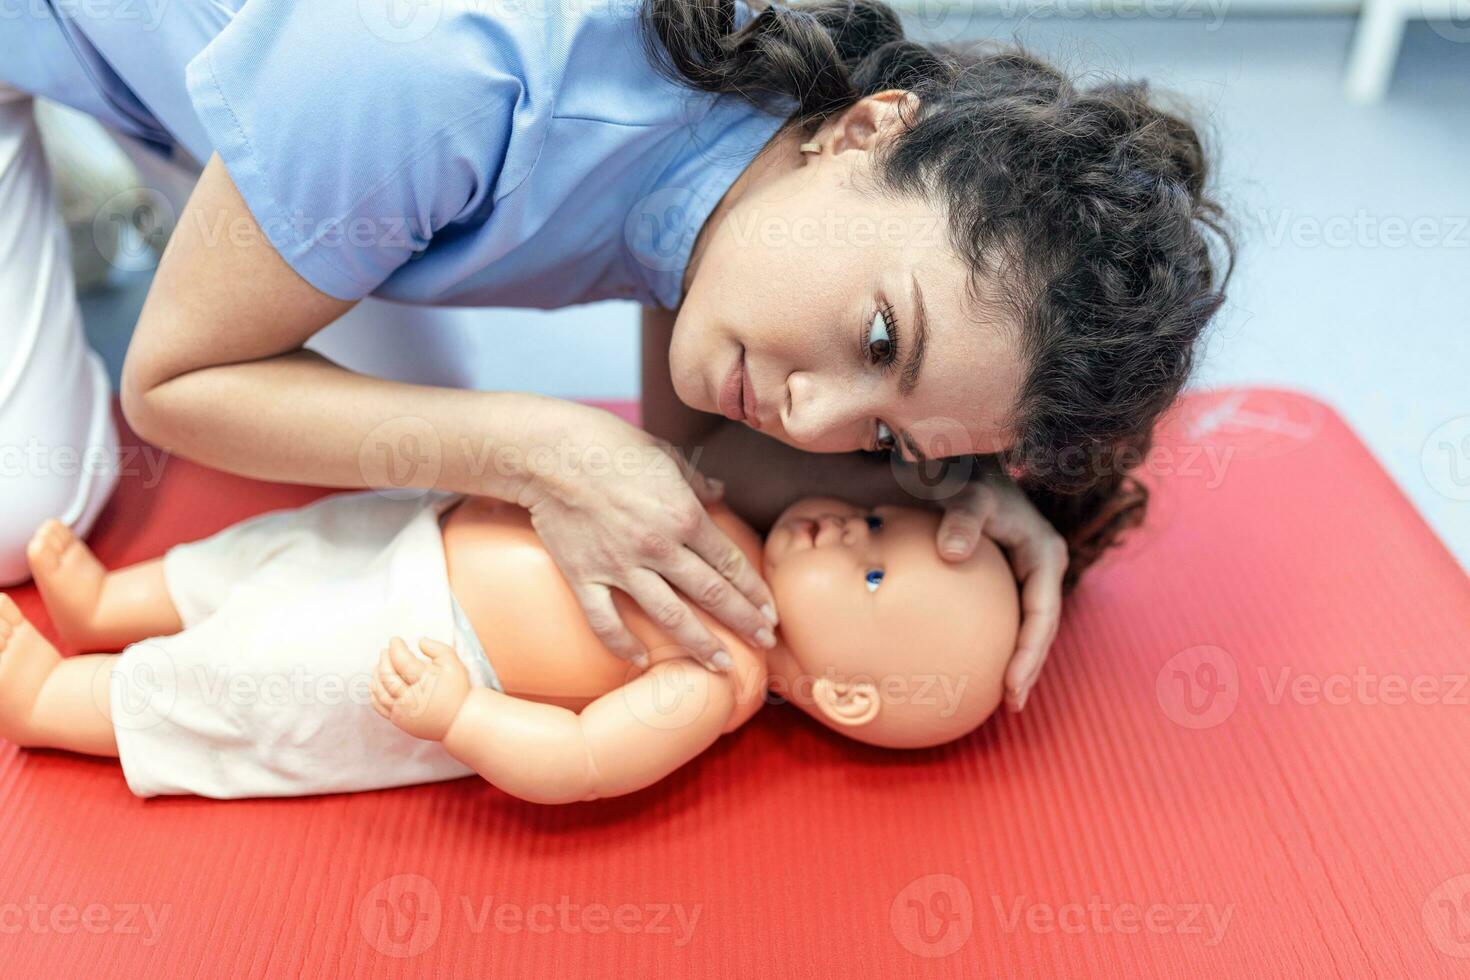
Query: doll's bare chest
x=522 y=608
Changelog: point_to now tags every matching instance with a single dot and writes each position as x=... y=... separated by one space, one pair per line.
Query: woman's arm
x=216 y=373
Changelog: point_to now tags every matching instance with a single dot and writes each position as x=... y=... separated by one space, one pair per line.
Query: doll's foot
x=26 y=660
x=69 y=577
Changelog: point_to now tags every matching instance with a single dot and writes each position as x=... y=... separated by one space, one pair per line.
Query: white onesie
x=265 y=690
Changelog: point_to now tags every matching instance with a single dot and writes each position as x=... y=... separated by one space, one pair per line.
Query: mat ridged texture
x=1174 y=802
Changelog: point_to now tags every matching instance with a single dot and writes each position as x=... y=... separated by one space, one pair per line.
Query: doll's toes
x=10 y=613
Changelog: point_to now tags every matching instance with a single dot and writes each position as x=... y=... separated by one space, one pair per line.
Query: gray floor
x=1327 y=299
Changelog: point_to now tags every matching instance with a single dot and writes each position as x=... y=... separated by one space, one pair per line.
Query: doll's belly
x=522 y=609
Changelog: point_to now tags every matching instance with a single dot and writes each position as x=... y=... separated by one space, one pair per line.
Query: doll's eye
x=874 y=579
x=874 y=522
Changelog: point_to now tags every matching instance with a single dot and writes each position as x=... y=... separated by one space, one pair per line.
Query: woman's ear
x=872 y=118
x=846 y=704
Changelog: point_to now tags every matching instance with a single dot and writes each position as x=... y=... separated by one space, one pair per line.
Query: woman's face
x=833 y=319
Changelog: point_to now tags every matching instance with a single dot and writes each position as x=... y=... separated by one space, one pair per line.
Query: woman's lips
x=749 y=406
x=732 y=395
x=737 y=394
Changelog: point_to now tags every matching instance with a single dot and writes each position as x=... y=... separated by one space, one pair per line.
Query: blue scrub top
x=448 y=152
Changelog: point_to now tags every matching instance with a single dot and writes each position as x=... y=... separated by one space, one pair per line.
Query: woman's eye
x=874 y=522
x=884 y=442
x=880 y=344
x=874 y=579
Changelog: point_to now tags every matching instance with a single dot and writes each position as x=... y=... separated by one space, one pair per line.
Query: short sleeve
x=355 y=134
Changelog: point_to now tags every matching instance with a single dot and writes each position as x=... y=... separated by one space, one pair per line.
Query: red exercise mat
x=1249 y=756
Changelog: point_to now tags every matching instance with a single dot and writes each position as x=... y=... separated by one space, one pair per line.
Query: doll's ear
x=847 y=704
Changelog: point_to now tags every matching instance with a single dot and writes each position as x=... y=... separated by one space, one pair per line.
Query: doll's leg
x=47 y=701
x=93 y=608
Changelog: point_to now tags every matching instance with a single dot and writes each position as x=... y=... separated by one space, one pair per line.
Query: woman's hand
x=421 y=697
x=616 y=510
x=994 y=506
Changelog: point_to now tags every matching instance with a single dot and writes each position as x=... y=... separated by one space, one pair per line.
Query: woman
x=848 y=244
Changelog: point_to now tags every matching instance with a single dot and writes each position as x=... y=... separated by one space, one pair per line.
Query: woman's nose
x=818 y=413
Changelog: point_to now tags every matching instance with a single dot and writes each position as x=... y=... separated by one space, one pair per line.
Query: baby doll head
x=884 y=640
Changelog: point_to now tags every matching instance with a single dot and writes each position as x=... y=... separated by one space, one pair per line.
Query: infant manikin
x=270 y=659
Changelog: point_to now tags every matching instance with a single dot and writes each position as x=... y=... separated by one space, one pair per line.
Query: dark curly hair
x=1086 y=207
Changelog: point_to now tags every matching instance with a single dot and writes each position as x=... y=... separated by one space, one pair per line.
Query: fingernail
x=722 y=660
x=640 y=661
x=955 y=545
x=765 y=638
x=718 y=486
x=769 y=611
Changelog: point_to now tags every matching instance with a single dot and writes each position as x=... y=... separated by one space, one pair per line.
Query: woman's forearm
x=216 y=371
x=298 y=417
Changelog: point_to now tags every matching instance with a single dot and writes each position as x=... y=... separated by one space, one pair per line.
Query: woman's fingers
x=964 y=523
x=646 y=531
x=714 y=592
x=746 y=605
x=670 y=612
x=1041 y=614
x=602 y=616
x=706 y=488
x=994 y=506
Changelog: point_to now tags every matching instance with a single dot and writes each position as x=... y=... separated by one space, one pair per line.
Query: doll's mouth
x=807 y=531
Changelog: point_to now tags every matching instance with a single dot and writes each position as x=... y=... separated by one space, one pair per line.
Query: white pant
x=264 y=692
x=58 y=446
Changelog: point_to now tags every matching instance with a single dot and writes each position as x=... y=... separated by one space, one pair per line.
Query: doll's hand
x=994 y=506
x=422 y=698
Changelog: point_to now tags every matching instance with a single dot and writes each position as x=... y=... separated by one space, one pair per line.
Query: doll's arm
x=625 y=740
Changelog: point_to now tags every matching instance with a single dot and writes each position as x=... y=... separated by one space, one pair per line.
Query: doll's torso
x=527 y=617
